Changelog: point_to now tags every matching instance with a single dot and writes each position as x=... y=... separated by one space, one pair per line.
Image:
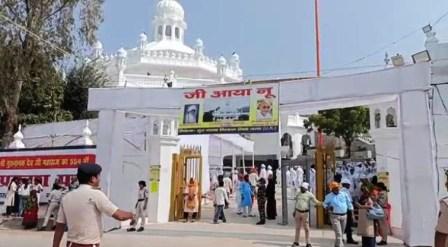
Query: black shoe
x=132 y=229
x=42 y=228
x=351 y=241
x=295 y=244
x=382 y=243
x=308 y=245
x=141 y=229
x=261 y=223
x=224 y=221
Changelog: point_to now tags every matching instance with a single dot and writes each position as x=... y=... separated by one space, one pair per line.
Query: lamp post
x=316 y=22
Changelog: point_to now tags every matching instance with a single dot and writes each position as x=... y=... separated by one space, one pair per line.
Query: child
x=220 y=201
x=140 y=207
x=261 y=199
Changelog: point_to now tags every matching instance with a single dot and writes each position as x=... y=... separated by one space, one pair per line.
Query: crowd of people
x=258 y=188
x=353 y=191
x=23 y=199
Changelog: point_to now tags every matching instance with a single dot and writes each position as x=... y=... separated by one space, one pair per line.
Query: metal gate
x=187 y=164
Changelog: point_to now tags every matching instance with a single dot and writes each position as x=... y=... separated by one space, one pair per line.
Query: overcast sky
x=276 y=37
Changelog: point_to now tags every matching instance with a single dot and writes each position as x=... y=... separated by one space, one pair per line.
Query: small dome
x=235 y=57
x=222 y=60
x=122 y=52
x=143 y=37
x=98 y=45
x=170 y=9
x=199 y=43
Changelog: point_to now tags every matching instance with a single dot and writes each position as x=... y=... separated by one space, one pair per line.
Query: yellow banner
x=231 y=109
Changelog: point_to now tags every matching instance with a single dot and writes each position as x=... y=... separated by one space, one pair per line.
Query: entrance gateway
x=408 y=86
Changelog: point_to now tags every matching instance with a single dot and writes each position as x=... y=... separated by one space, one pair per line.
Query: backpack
x=376 y=212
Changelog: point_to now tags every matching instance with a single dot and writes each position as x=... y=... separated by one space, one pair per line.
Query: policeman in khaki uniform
x=442 y=224
x=140 y=207
x=81 y=211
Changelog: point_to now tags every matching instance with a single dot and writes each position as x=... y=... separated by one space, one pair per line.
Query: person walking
x=237 y=188
x=10 y=196
x=24 y=194
x=261 y=200
x=81 y=211
x=271 y=206
x=302 y=213
x=337 y=204
x=37 y=186
x=140 y=207
x=54 y=201
x=441 y=236
x=246 y=197
x=346 y=184
x=221 y=200
x=191 y=207
x=366 y=226
x=383 y=224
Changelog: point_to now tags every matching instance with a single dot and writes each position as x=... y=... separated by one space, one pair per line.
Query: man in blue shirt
x=338 y=204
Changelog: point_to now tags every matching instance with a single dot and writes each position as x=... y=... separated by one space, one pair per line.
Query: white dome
x=222 y=60
x=122 y=52
x=98 y=45
x=143 y=37
x=199 y=43
x=170 y=9
x=235 y=57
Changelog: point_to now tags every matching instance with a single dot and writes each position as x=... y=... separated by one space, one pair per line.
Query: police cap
x=89 y=169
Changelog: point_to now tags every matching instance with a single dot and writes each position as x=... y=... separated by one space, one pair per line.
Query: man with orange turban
x=338 y=205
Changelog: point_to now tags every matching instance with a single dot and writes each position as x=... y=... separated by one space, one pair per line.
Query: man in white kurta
x=263 y=172
x=300 y=173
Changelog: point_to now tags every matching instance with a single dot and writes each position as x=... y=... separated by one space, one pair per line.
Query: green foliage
x=76 y=93
x=35 y=37
x=346 y=122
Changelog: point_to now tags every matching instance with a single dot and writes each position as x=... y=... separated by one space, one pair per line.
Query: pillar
x=418 y=181
x=161 y=147
x=109 y=156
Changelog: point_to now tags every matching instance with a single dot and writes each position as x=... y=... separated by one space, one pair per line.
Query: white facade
x=165 y=58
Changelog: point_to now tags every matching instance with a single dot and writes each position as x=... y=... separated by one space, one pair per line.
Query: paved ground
x=239 y=233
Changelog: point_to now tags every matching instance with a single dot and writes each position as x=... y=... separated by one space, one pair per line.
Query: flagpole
x=316 y=22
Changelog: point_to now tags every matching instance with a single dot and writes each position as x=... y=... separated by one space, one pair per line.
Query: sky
x=275 y=38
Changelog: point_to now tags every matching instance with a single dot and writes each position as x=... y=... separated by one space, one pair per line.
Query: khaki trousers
x=140 y=214
x=302 y=219
x=53 y=208
x=338 y=222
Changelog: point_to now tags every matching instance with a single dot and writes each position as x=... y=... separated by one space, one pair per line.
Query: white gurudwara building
x=164 y=60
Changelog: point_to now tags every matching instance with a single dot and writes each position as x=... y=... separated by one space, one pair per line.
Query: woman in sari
x=191 y=207
x=30 y=211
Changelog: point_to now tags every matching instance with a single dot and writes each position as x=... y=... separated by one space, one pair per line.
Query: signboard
x=44 y=161
x=231 y=109
x=383 y=177
x=46 y=165
x=154 y=179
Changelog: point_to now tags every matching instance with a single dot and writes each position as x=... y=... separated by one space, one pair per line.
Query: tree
x=36 y=36
x=347 y=123
x=76 y=93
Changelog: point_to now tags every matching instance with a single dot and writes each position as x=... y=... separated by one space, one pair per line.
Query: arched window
x=391 y=118
x=160 y=32
x=177 y=33
x=377 y=119
x=155 y=127
x=168 y=31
